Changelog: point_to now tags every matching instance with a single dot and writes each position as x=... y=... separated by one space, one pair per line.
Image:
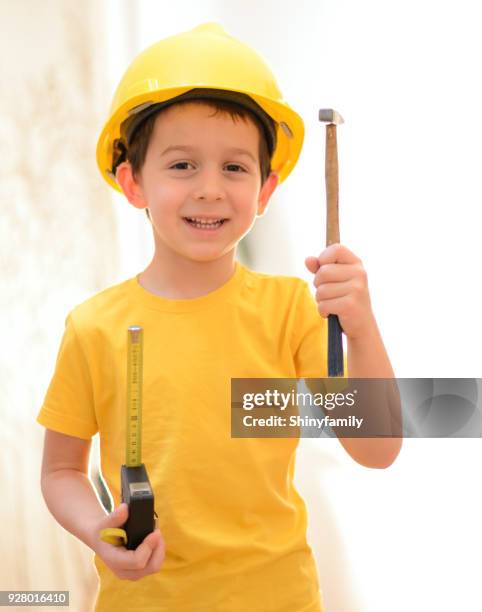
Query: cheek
x=164 y=197
x=246 y=198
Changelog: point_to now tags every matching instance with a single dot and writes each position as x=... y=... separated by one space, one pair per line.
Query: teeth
x=200 y=223
x=197 y=220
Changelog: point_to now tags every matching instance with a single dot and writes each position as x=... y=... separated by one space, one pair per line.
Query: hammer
x=332 y=118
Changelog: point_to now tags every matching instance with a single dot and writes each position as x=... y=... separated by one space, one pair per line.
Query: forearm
x=71 y=499
x=367 y=356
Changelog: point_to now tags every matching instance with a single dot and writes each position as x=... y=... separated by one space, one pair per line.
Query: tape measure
x=135 y=348
x=136 y=489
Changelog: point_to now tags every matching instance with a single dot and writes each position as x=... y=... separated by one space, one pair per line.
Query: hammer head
x=330 y=116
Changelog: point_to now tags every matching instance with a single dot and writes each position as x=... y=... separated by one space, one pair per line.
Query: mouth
x=204 y=223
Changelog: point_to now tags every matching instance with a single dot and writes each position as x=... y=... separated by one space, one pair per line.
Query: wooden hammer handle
x=331 y=180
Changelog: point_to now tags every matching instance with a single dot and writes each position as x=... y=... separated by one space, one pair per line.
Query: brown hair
x=137 y=149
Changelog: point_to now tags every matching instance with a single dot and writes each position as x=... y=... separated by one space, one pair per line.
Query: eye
x=236 y=166
x=175 y=166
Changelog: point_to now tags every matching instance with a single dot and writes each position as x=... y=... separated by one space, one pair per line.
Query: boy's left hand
x=342 y=288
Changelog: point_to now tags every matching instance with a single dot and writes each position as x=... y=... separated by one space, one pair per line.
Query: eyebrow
x=188 y=149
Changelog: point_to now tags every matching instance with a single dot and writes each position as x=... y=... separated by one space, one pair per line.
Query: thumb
x=312 y=264
x=118 y=517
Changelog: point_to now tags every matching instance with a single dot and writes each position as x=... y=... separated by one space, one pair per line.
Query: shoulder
x=105 y=303
x=275 y=291
x=276 y=284
x=282 y=302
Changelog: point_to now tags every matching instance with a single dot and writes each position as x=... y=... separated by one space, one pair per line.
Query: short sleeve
x=309 y=337
x=68 y=406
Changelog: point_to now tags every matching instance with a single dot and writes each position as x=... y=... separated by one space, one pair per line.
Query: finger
x=329 y=291
x=152 y=540
x=126 y=560
x=131 y=560
x=157 y=556
x=337 y=253
x=146 y=548
x=140 y=569
x=333 y=306
x=116 y=518
x=334 y=273
x=312 y=264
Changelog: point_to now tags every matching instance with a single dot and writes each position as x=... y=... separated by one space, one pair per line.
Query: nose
x=209 y=186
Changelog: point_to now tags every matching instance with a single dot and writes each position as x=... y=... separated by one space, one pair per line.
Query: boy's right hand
x=126 y=564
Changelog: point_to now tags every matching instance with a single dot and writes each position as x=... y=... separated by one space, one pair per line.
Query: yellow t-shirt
x=233 y=522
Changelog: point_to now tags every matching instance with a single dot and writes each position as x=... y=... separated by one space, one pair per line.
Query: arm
x=65 y=485
x=71 y=499
x=368 y=358
x=342 y=289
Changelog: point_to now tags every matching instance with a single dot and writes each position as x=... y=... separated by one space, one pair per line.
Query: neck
x=175 y=277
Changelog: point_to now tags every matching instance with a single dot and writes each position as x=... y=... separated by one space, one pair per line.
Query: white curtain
x=58 y=241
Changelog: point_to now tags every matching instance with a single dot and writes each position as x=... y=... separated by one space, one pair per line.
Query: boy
x=199 y=136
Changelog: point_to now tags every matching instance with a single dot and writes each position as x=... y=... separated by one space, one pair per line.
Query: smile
x=204 y=224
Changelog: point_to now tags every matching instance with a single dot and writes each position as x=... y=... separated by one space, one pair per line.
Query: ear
x=266 y=192
x=130 y=185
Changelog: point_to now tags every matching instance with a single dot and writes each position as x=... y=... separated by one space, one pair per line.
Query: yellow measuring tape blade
x=134 y=396
x=114 y=535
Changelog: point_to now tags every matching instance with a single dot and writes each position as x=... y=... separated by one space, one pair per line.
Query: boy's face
x=205 y=166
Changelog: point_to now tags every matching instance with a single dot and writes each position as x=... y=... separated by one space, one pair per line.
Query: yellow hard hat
x=205 y=58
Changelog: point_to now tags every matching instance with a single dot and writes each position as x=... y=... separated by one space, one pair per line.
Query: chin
x=204 y=254
x=204 y=258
